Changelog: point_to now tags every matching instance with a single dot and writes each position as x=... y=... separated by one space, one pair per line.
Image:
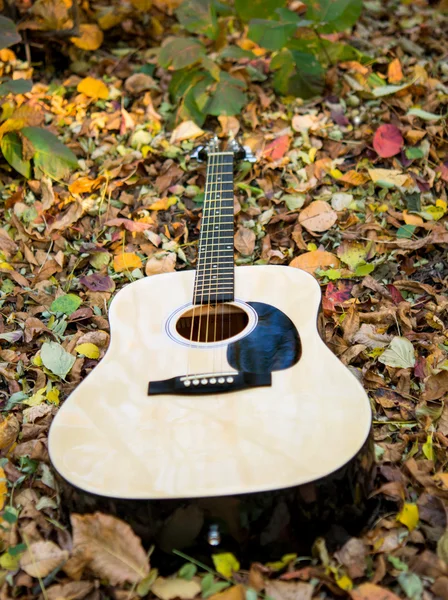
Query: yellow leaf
x=164 y=203
x=169 y=589
x=344 y=582
x=389 y=177
x=188 y=130
x=7 y=55
x=3 y=488
x=441 y=204
x=409 y=516
x=226 y=563
x=279 y=564
x=91 y=37
x=126 y=261
x=6 y=266
x=143 y=5
x=94 y=88
x=336 y=173
x=89 y=350
x=36 y=398
x=9 y=562
x=236 y=592
x=53 y=396
x=84 y=184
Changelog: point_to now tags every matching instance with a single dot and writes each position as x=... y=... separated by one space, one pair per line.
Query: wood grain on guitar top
x=112 y=439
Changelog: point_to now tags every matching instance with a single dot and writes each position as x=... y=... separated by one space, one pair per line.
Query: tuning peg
x=249 y=156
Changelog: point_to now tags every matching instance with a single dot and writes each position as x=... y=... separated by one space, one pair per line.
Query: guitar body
x=245 y=467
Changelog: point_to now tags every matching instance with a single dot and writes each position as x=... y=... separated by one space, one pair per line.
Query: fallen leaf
x=3 y=488
x=277 y=148
x=370 y=591
x=412 y=219
x=354 y=178
x=369 y=337
x=128 y=224
x=91 y=37
x=236 y=592
x=245 y=241
x=56 y=359
x=188 y=130
x=73 y=590
x=127 y=261
x=168 y=589
x=318 y=216
x=143 y=5
x=409 y=515
x=289 y=590
x=112 y=549
x=139 y=82
x=394 y=71
x=399 y=354
x=66 y=304
x=161 y=262
x=388 y=141
x=98 y=283
x=316 y=259
x=226 y=564
x=9 y=430
x=41 y=558
x=94 y=88
x=353 y=556
x=84 y=184
x=89 y=350
x=389 y=177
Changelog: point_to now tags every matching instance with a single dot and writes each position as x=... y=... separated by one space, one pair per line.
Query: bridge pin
x=229 y=379
x=204 y=381
x=187 y=383
x=213 y=380
x=195 y=381
x=221 y=380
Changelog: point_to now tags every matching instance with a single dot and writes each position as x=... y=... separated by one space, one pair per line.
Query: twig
x=322 y=47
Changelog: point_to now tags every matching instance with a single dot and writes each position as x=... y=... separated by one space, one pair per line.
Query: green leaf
x=269 y=34
x=11 y=146
x=442 y=547
x=52 y=158
x=180 y=52
x=333 y=15
x=260 y=9
x=413 y=153
x=235 y=53
x=199 y=16
x=400 y=354
x=16 y=86
x=56 y=359
x=411 y=584
x=363 y=270
x=387 y=90
x=423 y=114
x=228 y=97
x=66 y=304
x=297 y=73
x=217 y=587
x=294 y=201
x=8 y=33
x=406 y=231
x=188 y=571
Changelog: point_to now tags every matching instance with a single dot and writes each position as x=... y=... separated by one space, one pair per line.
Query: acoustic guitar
x=218 y=418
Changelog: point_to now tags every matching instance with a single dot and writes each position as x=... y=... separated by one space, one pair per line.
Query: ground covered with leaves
x=350 y=186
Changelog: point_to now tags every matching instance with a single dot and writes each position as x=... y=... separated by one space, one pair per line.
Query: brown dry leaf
x=354 y=178
x=127 y=261
x=236 y=592
x=245 y=241
x=7 y=245
x=139 y=82
x=394 y=72
x=436 y=386
x=316 y=259
x=230 y=125
x=161 y=262
x=168 y=589
x=318 y=216
x=70 y=216
x=9 y=430
x=370 y=591
x=74 y=590
x=91 y=37
x=188 y=130
x=94 y=88
x=114 y=551
x=289 y=590
x=368 y=335
x=41 y=558
x=353 y=556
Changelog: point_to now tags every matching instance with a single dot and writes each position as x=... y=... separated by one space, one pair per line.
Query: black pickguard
x=273 y=345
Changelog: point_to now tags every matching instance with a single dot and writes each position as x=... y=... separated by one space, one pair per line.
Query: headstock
x=230 y=145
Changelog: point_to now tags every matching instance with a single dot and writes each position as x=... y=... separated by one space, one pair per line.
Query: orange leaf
x=354 y=178
x=394 y=72
x=370 y=591
x=127 y=261
x=412 y=219
x=277 y=148
x=316 y=259
x=91 y=37
x=94 y=88
x=84 y=184
x=318 y=216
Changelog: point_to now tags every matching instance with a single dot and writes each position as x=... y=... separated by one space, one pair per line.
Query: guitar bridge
x=209 y=383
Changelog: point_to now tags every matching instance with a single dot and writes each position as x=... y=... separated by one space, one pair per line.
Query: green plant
x=22 y=143
x=202 y=84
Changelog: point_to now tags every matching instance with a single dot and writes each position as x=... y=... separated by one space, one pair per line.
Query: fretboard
x=214 y=280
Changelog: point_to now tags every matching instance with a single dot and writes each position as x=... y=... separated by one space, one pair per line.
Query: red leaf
x=443 y=168
x=388 y=141
x=395 y=293
x=98 y=283
x=128 y=224
x=277 y=148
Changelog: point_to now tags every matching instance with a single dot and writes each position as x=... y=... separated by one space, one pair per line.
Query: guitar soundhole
x=212 y=323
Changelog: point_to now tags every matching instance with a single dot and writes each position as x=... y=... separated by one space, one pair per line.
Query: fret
x=214 y=280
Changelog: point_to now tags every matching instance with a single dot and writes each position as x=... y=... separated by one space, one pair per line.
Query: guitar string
x=210 y=228
x=201 y=258
x=231 y=251
x=223 y=304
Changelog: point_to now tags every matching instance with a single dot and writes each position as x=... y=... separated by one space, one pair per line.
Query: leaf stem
x=322 y=47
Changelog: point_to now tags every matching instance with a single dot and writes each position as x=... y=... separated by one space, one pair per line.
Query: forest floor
x=361 y=206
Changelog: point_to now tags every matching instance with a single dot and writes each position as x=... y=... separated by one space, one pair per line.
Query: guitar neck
x=214 y=281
